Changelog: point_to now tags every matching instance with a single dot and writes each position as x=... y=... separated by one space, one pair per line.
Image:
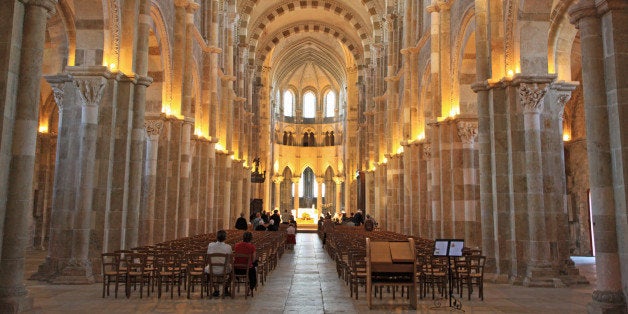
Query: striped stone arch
x=288 y=31
x=92 y=31
x=112 y=21
x=159 y=29
x=458 y=50
x=258 y=27
x=561 y=36
x=60 y=40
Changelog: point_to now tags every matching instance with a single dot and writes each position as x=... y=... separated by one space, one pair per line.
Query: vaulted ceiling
x=323 y=37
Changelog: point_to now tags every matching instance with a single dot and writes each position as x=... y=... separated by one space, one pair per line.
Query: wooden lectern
x=391 y=263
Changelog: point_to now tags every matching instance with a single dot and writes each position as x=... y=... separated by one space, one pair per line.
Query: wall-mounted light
x=43 y=128
x=510 y=73
x=566 y=137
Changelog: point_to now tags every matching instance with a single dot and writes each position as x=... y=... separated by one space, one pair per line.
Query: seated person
x=246 y=247
x=291 y=238
x=257 y=221
x=261 y=226
x=272 y=226
x=241 y=223
x=220 y=247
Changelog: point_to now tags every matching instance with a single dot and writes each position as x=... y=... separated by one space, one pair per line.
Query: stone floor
x=305 y=281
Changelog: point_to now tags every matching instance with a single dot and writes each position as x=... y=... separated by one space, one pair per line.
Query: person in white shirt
x=220 y=247
x=291 y=239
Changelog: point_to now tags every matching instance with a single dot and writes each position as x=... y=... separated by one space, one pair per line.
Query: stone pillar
x=277 y=180
x=211 y=192
x=484 y=134
x=338 y=180
x=138 y=133
x=79 y=269
x=228 y=177
x=539 y=247
x=429 y=225
x=13 y=294
x=435 y=54
x=295 y=198
x=608 y=296
x=319 y=198
x=467 y=132
x=153 y=129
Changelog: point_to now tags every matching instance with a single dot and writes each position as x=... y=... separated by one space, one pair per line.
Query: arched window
x=309 y=105
x=288 y=103
x=330 y=104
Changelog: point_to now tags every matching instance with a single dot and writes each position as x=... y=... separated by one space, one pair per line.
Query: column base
x=75 y=274
x=16 y=302
x=607 y=302
x=542 y=276
x=68 y=272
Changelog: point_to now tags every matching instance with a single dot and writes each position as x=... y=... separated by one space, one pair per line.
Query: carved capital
x=277 y=179
x=49 y=5
x=153 y=127
x=467 y=131
x=320 y=180
x=296 y=180
x=90 y=89
x=427 y=151
x=532 y=97
x=432 y=8
x=582 y=9
x=143 y=80
x=445 y=4
x=561 y=101
x=339 y=180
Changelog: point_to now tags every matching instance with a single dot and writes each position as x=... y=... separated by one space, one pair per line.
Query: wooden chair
x=196 y=262
x=219 y=272
x=357 y=271
x=241 y=268
x=136 y=273
x=110 y=272
x=436 y=276
x=470 y=272
x=167 y=271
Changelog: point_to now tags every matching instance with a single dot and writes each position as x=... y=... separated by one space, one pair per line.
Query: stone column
x=538 y=266
x=227 y=178
x=79 y=268
x=608 y=296
x=153 y=129
x=295 y=198
x=138 y=133
x=319 y=198
x=277 y=180
x=13 y=294
x=467 y=132
x=338 y=180
x=481 y=88
x=435 y=54
x=211 y=192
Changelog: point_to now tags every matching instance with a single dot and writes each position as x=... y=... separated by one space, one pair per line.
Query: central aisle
x=305 y=281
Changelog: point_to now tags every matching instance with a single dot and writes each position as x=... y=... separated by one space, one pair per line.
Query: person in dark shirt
x=358 y=219
x=241 y=223
x=276 y=219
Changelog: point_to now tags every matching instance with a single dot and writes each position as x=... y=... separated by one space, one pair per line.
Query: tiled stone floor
x=305 y=281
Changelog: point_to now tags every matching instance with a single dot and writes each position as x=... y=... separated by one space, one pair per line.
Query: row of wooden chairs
x=346 y=246
x=173 y=264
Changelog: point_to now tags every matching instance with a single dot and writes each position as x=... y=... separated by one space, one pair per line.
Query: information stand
x=450 y=248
